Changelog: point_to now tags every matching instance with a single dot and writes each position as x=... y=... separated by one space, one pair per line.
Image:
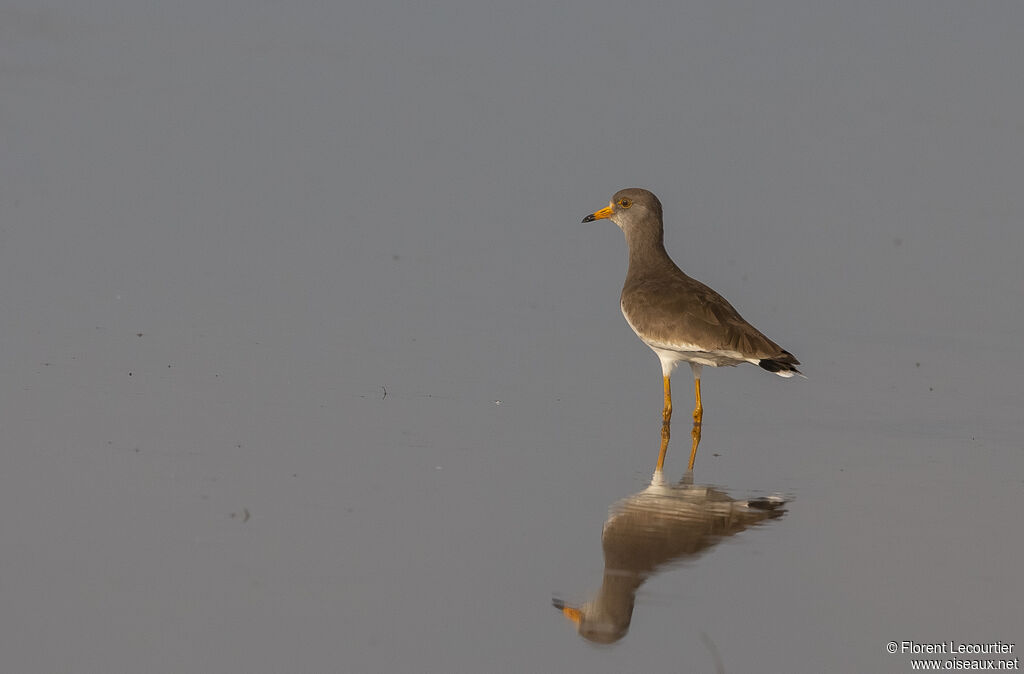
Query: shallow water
x=309 y=365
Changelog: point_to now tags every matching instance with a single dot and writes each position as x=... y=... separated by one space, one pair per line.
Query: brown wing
x=664 y=308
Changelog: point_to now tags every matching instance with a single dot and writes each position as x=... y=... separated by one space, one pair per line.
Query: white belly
x=670 y=357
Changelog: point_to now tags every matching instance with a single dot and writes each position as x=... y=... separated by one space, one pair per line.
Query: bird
x=677 y=316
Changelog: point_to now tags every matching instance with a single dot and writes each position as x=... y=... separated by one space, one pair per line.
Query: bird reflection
x=645 y=532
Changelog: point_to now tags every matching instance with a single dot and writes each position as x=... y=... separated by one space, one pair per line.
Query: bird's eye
x=625 y=203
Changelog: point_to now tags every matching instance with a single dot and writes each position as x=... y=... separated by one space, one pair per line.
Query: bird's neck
x=647 y=253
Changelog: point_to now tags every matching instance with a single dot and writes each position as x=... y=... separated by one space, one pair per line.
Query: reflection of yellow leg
x=698 y=416
x=666 y=419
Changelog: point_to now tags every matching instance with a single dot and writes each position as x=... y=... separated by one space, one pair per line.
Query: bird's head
x=630 y=208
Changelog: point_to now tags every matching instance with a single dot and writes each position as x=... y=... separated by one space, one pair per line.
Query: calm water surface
x=308 y=364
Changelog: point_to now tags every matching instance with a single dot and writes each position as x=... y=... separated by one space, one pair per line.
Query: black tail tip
x=784 y=363
x=777 y=366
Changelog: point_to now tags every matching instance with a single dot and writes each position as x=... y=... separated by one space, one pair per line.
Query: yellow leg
x=666 y=412
x=665 y=433
x=698 y=416
x=666 y=419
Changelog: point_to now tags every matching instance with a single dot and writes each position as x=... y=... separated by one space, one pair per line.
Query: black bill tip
x=589 y=218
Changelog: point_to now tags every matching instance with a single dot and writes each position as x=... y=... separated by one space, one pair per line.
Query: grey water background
x=307 y=363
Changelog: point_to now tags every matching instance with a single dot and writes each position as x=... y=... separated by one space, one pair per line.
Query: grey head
x=632 y=209
x=637 y=212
